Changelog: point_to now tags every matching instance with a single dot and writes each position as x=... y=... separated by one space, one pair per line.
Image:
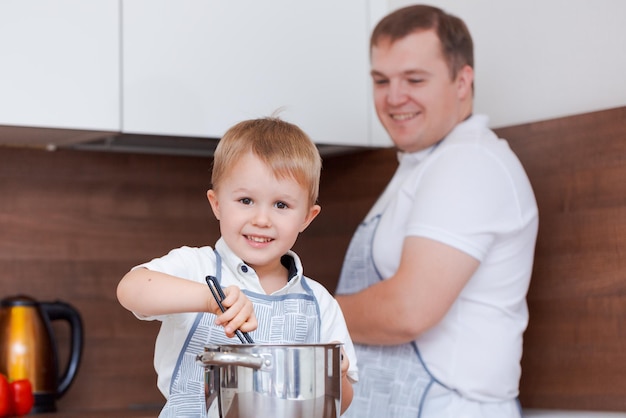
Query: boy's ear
x=313 y=212
x=212 y=197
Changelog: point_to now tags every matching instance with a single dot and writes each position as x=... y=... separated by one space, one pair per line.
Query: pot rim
x=281 y=345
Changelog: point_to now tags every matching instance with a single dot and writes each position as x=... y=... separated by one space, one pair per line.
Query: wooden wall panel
x=349 y=186
x=72 y=223
x=575 y=345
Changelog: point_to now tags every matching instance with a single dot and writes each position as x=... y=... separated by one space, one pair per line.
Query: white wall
x=541 y=59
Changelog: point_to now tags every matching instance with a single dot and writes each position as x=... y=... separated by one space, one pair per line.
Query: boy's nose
x=261 y=218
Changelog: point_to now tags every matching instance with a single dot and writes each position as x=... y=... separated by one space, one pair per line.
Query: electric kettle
x=28 y=347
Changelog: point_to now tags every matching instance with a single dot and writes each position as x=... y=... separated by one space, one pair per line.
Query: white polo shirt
x=195 y=264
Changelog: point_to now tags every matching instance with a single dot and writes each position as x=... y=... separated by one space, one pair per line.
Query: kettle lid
x=19 y=300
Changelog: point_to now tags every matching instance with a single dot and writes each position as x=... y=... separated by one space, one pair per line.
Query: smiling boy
x=265 y=183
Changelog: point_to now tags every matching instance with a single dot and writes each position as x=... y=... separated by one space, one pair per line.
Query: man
x=434 y=283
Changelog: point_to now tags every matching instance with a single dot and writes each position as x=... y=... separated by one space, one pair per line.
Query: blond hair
x=283 y=146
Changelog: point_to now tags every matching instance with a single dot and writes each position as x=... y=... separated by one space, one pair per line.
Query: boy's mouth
x=258 y=239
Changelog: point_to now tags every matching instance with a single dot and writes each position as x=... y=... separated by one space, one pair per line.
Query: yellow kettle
x=28 y=347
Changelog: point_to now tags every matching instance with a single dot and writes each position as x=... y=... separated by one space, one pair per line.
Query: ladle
x=219 y=296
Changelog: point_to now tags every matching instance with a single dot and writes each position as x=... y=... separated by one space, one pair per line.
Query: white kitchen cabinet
x=196 y=67
x=60 y=64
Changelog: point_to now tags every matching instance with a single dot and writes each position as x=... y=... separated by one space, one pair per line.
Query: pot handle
x=254 y=361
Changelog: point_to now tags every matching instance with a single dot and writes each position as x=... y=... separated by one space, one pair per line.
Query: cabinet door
x=196 y=67
x=60 y=64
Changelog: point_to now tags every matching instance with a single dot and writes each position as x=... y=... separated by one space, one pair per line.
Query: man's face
x=415 y=98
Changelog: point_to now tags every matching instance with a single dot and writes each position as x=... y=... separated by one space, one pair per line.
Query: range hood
x=150 y=144
x=51 y=139
x=170 y=145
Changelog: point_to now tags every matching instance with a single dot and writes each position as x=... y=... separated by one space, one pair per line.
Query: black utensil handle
x=219 y=295
x=216 y=294
x=65 y=312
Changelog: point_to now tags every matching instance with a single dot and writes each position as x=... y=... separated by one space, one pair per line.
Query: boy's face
x=260 y=215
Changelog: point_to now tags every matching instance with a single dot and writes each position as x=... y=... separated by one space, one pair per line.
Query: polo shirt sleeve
x=465 y=198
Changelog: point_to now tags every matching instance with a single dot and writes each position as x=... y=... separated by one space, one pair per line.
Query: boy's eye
x=246 y=200
x=415 y=80
x=380 y=81
x=281 y=205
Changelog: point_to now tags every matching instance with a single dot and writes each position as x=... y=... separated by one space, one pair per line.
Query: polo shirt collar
x=246 y=275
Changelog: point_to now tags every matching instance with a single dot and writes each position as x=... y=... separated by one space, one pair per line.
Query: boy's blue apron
x=393 y=380
x=285 y=319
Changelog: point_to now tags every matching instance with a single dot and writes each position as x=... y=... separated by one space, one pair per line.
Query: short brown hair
x=283 y=146
x=456 y=42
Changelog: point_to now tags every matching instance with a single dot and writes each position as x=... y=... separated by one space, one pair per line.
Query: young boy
x=265 y=183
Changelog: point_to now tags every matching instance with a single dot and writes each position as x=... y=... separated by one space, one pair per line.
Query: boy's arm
x=151 y=293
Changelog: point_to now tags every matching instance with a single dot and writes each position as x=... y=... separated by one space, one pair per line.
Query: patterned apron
x=289 y=319
x=393 y=380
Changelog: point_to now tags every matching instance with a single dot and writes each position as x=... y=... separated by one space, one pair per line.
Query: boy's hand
x=345 y=363
x=347 y=393
x=239 y=312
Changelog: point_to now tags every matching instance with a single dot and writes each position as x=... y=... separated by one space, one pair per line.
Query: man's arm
x=397 y=310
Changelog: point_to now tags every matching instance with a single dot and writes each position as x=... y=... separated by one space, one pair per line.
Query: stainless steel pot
x=284 y=380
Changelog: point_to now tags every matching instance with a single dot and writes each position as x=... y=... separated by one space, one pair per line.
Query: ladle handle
x=219 y=295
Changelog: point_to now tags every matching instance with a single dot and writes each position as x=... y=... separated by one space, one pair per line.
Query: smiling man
x=434 y=283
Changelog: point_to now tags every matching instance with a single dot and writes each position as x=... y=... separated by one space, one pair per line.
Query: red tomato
x=23 y=398
x=6 y=400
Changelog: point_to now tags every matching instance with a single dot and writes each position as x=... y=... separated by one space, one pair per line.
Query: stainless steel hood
x=150 y=144
x=170 y=145
x=51 y=139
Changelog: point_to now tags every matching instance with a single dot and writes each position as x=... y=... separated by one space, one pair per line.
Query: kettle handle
x=64 y=311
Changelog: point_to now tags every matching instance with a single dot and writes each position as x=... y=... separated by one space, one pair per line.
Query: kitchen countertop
x=559 y=413
x=153 y=413
x=111 y=413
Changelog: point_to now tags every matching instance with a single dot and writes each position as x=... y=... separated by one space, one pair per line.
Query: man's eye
x=281 y=205
x=416 y=80
x=380 y=81
x=246 y=201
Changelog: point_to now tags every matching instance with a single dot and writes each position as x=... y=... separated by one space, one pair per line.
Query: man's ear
x=212 y=197
x=465 y=82
x=313 y=212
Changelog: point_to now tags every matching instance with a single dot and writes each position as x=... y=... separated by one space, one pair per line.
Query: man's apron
x=288 y=319
x=393 y=380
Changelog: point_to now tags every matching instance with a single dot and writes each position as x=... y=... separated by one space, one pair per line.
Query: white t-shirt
x=195 y=264
x=472 y=193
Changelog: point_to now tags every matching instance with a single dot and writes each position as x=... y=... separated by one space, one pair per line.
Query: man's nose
x=396 y=94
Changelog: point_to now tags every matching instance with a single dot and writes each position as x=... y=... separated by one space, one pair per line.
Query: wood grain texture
x=349 y=186
x=575 y=345
x=72 y=223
